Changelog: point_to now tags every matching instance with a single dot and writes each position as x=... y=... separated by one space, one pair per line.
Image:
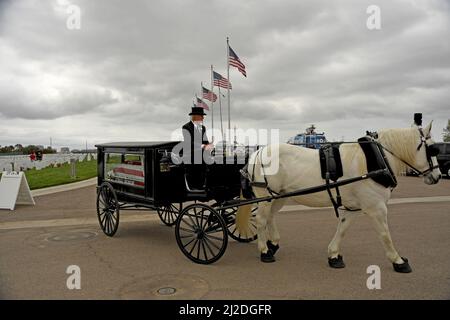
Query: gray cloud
x=132 y=70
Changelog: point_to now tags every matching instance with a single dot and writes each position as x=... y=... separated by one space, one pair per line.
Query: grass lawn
x=49 y=177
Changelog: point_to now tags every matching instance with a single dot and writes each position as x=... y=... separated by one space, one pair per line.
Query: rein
x=430 y=151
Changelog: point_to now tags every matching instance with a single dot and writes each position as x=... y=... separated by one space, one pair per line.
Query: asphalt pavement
x=142 y=261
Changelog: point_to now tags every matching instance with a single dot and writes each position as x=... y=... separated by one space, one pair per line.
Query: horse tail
x=244 y=212
x=243 y=216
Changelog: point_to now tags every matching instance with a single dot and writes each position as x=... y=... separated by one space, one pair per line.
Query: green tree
x=446 y=133
x=7 y=149
x=48 y=150
x=29 y=149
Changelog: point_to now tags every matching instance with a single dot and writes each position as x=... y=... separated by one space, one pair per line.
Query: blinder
x=430 y=151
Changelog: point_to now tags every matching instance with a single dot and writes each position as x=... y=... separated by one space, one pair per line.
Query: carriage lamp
x=164 y=164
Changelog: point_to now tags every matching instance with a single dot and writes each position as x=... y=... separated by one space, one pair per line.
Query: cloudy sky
x=131 y=70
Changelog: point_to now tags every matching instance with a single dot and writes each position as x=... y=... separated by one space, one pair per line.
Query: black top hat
x=197 y=111
x=418 y=119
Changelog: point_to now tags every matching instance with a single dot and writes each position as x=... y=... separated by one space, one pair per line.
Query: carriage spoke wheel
x=108 y=209
x=201 y=234
x=229 y=216
x=168 y=214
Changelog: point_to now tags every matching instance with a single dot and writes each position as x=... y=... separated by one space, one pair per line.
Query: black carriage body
x=142 y=173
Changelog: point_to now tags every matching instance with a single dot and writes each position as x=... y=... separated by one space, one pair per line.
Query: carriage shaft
x=305 y=191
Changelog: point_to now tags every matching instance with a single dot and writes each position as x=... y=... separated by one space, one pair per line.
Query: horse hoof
x=272 y=247
x=267 y=257
x=337 y=262
x=402 y=267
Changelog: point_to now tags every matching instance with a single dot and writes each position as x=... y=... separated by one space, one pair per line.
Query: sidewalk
x=64 y=187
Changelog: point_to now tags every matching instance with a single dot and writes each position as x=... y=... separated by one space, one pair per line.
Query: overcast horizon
x=131 y=71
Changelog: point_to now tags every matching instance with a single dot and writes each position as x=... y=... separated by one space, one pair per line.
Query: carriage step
x=196 y=191
x=198 y=194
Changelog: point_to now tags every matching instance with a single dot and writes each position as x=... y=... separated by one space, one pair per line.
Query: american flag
x=234 y=61
x=202 y=104
x=209 y=95
x=220 y=81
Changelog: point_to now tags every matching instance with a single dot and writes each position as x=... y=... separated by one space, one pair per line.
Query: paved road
x=38 y=243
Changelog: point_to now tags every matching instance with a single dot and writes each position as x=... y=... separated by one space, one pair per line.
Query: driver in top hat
x=195 y=143
x=194 y=136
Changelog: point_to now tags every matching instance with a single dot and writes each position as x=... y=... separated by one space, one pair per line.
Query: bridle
x=430 y=150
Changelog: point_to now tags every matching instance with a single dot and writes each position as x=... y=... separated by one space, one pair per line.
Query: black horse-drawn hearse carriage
x=147 y=175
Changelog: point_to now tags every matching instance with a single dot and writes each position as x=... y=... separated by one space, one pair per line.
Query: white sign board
x=14 y=190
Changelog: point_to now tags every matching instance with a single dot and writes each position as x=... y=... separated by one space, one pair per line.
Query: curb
x=64 y=187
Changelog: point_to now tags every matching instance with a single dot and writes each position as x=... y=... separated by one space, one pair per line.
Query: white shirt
x=197 y=126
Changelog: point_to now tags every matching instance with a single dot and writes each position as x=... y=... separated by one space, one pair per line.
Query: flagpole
x=220 y=109
x=228 y=87
x=201 y=95
x=212 y=103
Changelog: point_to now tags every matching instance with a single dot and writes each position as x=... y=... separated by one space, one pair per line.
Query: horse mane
x=403 y=143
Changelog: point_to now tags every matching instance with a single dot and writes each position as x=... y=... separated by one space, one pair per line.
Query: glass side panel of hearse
x=126 y=169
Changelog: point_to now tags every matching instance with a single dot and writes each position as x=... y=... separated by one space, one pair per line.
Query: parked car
x=443 y=157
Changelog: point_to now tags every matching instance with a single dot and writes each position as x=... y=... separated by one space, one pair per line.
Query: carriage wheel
x=168 y=214
x=201 y=234
x=108 y=209
x=230 y=217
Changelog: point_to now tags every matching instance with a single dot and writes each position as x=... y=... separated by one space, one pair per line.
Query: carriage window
x=125 y=168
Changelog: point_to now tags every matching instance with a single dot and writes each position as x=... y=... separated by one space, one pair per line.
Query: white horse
x=300 y=168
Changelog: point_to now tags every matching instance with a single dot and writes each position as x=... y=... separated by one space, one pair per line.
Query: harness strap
x=259 y=184
x=338 y=197
x=380 y=150
x=417 y=171
x=336 y=203
x=254 y=165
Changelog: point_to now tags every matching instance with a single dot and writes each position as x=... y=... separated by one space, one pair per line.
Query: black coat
x=193 y=140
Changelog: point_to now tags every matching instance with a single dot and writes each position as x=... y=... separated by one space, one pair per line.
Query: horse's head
x=413 y=148
x=425 y=160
